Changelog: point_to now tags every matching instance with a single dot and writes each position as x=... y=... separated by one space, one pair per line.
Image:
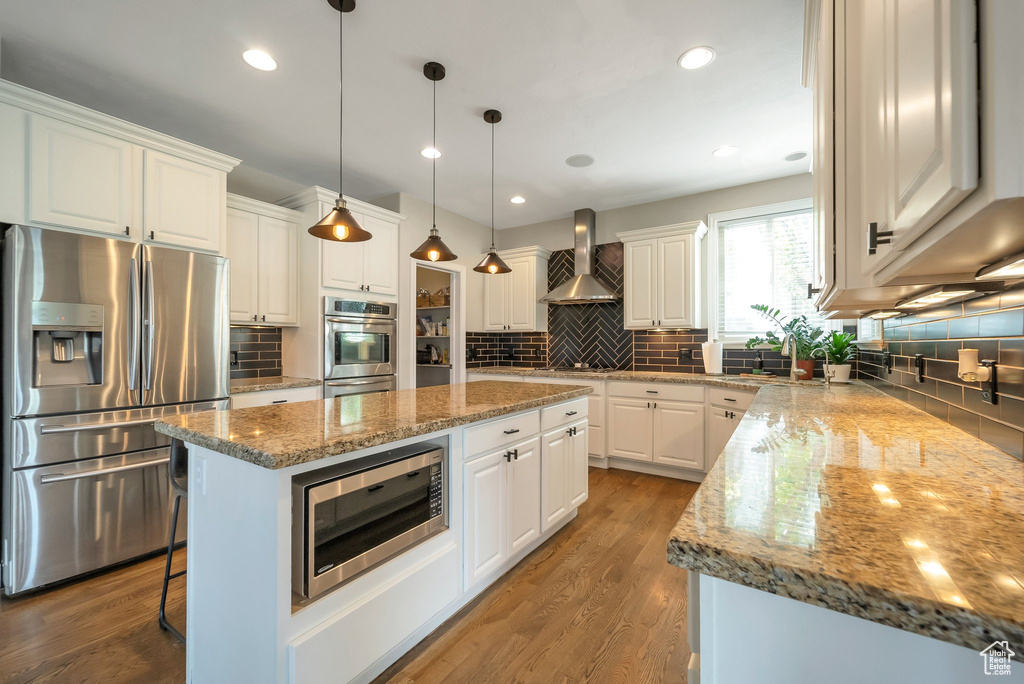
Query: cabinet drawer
x=571 y=411
x=500 y=433
x=281 y=396
x=652 y=391
x=730 y=398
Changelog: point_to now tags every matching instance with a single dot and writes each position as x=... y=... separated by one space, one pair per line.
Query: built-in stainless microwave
x=359 y=338
x=349 y=518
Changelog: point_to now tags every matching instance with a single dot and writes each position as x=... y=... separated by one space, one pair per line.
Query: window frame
x=714 y=221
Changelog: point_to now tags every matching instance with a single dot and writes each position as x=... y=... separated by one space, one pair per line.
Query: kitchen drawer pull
x=279 y=401
x=728 y=399
x=512 y=431
x=652 y=391
x=375 y=488
x=58 y=429
x=570 y=413
x=99 y=472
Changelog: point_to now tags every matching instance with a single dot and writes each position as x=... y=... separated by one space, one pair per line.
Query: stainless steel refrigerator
x=100 y=338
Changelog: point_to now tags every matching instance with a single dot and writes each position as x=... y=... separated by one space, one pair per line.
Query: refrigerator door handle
x=58 y=429
x=98 y=472
x=134 y=332
x=147 y=322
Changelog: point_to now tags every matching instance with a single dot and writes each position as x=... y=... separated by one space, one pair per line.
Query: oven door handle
x=99 y=472
x=353 y=383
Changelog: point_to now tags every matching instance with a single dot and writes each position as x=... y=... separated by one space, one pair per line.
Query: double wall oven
x=359 y=347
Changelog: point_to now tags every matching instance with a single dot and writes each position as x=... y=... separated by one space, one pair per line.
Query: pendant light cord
x=433 y=166
x=341 y=100
x=492 y=187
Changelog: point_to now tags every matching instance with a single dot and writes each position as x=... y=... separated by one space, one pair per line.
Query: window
x=767 y=258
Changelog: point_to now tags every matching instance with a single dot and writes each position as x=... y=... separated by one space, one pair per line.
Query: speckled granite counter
x=283 y=435
x=243 y=385
x=848 y=499
x=726 y=381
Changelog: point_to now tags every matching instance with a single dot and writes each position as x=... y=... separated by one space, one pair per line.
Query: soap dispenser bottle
x=758 y=364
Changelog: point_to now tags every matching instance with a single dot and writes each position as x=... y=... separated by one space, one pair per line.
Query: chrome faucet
x=789 y=347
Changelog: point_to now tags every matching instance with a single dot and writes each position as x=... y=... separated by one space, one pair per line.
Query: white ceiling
x=570 y=76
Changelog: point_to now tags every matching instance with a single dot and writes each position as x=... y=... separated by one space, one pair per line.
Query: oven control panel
x=352 y=307
x=436 y=491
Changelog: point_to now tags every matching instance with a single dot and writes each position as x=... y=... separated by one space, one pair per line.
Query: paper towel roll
x=712 y=352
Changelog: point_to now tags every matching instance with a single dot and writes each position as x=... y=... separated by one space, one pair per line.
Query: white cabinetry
x=263 y=247
x=678 y=434
x=502 y=506
x=79 y=178
x=370 y=266
x=71 y=168
x=511 y=299
x=662 y=276
x=630 y=429
x=564 y=455
x=659 y=423
x=725 y=411
x=288 y=395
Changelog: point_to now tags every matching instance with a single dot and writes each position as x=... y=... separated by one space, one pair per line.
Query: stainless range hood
x=582 y=288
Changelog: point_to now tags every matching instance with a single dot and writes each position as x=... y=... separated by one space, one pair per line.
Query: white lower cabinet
x=722 y=423
x=269 y=397
x=564 y=476
x=678 y=434
x=579 y=464
x=630 y=430
x=503 y=508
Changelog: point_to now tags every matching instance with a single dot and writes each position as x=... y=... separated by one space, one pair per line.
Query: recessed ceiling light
x=517 y=199
x=259 y=59
x=430 y=152
x=795 y=156
x=696 y=58
x=726 y=151
x=578 y=161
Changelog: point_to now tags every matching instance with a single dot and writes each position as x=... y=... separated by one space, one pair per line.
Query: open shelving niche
x=437 y=373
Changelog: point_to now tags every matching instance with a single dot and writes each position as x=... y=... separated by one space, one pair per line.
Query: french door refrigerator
x=101 y=338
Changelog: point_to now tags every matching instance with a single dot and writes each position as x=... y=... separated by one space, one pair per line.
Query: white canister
x=712 y=352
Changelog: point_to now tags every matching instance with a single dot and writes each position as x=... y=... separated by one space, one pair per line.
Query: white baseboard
x=598 y=462
x=656 y=469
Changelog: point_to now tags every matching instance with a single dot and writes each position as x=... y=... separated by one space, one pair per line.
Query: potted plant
x=807 y=336
x=838 y=349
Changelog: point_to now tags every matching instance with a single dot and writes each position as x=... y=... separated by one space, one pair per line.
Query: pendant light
x=492 y=263
x=340 y=225
x=433 y=249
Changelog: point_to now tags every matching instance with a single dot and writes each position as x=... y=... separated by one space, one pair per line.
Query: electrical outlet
x=198 y=483
x=686 y=354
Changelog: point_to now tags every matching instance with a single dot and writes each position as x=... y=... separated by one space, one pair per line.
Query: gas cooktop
x=575 y=369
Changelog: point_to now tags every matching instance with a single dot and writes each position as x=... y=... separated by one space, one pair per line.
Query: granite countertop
x=243 y=385
x=851 y=500
x=284 y=435
x=726 y=381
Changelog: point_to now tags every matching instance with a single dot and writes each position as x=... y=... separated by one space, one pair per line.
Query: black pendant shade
x=433 y=249
x=492 y=263
x=340 y=226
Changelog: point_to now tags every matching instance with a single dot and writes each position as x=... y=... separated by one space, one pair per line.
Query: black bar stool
x=179 y=481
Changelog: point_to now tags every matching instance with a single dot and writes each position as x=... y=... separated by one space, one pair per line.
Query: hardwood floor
x=596 y=603
x=102 y=629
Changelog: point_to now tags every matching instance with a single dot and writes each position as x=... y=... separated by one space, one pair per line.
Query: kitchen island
x=514 y=459
x=842 y=517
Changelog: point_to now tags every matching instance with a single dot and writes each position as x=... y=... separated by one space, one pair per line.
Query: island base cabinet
x=503 y=506
x=564 y=476
x=721 y=424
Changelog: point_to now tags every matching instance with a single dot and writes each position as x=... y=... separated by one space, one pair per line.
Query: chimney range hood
x=582 y=288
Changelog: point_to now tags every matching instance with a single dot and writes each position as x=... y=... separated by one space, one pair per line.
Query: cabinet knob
x=152 y=235
x=254 y=317
x=264 y=318
x=811 y=290
x=508 y=457
x=127 y=230
x=877 y=237
x=367 y=288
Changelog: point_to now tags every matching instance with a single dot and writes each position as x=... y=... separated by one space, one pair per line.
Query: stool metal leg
x=168 y=576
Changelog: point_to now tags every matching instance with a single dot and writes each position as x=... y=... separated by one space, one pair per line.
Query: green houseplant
x=807 y=336
x=839 y=350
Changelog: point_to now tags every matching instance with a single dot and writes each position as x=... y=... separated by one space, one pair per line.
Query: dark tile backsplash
x=994 y=325
x=594 y=334
x=255 y=352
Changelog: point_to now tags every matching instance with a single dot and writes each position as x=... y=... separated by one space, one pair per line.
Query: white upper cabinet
x=931 y=111
x=511 y=300
x=243 y=251
x=370 y=266
x=262 y=244
x=662 y=276
x=79 y=178
x=71 y=168
x=183 y=202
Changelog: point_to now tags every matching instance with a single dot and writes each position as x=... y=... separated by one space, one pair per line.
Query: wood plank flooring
x=596 y=603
